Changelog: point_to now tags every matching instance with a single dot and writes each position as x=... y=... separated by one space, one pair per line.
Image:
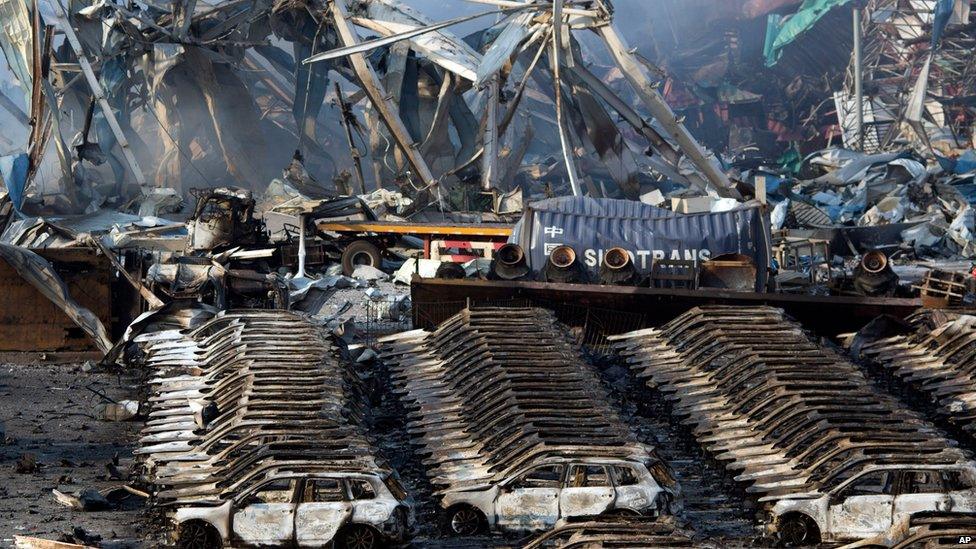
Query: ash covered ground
x=53 y=440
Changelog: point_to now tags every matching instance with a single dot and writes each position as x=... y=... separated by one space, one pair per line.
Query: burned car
x=928 y=530
x=539 y=495
x=871 y=502
x=355 y=511
x=254 y=438
x=612 y=531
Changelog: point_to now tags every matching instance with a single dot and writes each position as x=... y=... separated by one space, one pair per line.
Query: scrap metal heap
x=919 y=76
x=937 y=361
x=785 y=414
x=228 y=103
x=493 y=389
x=243 y=398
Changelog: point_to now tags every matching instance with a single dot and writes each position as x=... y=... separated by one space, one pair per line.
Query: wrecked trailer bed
x=435 y=300
x=363 y=241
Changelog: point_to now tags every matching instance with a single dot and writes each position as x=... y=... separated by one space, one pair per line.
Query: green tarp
x=782 y=31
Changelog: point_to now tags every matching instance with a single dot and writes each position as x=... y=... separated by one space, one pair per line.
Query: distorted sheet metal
x=40 y=274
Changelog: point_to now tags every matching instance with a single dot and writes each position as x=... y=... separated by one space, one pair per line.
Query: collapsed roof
x=183 y=95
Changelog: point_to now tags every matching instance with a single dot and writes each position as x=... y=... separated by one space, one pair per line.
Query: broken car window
x=923 y=482
x=361 y=489
x=540 y=477
x=279 y=491
x=957 y=480
x=588 y=476
x=626 y=476
x=323 y=490
x=871 y=484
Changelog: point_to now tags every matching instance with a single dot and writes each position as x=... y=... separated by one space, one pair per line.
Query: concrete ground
x=52 y=440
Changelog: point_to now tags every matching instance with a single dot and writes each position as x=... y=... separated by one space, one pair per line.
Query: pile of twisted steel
x=515 y=428
x=937 y=361
x=830 y=457
x=256 y=435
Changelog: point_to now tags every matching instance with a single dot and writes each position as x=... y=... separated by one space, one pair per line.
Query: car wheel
x=360 y=537
x=798 y=531
x=360 y=252
x=198 y=535
x=465 y=521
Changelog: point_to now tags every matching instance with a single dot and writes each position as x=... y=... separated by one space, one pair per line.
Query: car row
x=828 y=456
x=255 y=437
x=514 y=427
x=936 y=360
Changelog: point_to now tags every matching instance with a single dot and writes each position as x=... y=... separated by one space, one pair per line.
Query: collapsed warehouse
x=493 y=273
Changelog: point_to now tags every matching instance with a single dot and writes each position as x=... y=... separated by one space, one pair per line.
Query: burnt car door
x=323 y=509
x=863 y=507
x=961 y=486
x=267 y=515
x=588 y=491
x=531 y=501
x=632 y=492
x=921 y=491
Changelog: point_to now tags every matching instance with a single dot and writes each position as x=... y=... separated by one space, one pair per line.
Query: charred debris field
x=78 y=471
x=487 y=273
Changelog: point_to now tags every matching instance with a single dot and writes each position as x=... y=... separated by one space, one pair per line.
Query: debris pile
x=215 y=194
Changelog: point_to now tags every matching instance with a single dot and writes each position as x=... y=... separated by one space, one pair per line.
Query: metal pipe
x=563 y=257
x=301 y=247
x=858 y=77
x=564 y=138
x=510 y=255
x=616 y=259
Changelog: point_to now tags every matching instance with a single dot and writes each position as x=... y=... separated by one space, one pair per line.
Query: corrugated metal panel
x=592 y=226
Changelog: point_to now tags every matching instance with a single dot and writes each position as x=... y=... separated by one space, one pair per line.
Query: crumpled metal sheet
x=39 y=273
x=16 y=39
x=391 y=17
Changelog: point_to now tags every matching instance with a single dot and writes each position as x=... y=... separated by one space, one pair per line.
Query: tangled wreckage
x=493 y=278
